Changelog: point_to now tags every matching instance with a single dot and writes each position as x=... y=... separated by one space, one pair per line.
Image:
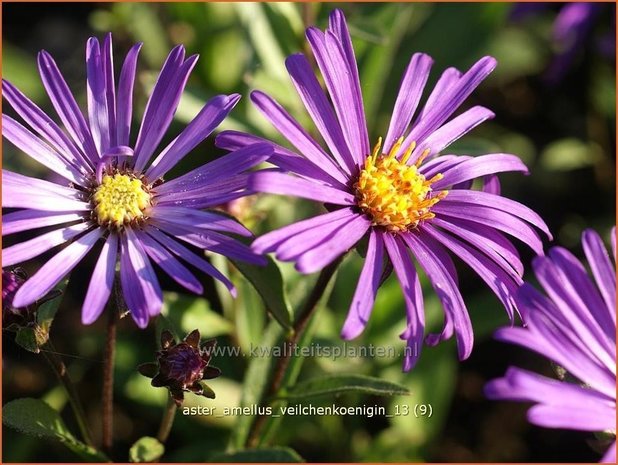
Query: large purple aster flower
x=113 y=192
x=574 y=325
x=400 y=194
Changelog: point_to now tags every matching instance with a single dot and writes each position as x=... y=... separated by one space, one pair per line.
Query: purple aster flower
x=574 y=325
x=400 y=194
x=571 y=29
x=114 y=192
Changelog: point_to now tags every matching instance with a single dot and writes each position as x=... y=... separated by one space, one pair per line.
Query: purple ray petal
x=413 y=295
x=38 y=150
x=320 y=110
x=55 y=269
x=110 y=87
x=432 y=257
x=176 y=270
x=500 y=203
x=338 y=26
x=282 y=183
x=181 y=251
x=270 y=241
x=46 y=127
x=295 y=134
x=491 y=184
x=66 y=106
x=124 y=102
x=587 y=299
x=501 y=283
x=346 y=98
x=480 y=166
x=453 y=130
x=281 y=157
x=213 y=172
x=209 y=117
x=162 y=105
x=336 y=245
x=25 y=192
x=492 y=218
x=302 y=242
x=576 y=417
x=25 y=220
x=131 y=288
x=210 y=240
x=602 y=270
x=524 y=385
x=488 y=240
x=208 y=195
x=145 y=274
x=98 y=114
x=552 y=339
x=447 y=80
x=101 y=282
x=36 y=246
x=560 y=282
x=366 y=289
x=447 y=103
x=408 y=98
x=199 y=219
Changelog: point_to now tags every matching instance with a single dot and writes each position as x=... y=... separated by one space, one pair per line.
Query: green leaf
x=271 y=455
x=268 y=283
x=146 y=449
x=35 y=418
x=188 y=313
x=26 y=338
x=337 y=384
x=570 y=154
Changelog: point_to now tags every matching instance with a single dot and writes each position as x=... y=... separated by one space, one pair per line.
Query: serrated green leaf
x=338 y=384
x=146 y=449
x=271 y=455
x=268 y=283
x=35 y=418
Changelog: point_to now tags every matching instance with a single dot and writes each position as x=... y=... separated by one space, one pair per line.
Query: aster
x=573 y=323
x=400 y=194
x=114 y=192
x=183 y=367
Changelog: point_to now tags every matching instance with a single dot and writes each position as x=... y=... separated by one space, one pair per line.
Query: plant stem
x=303 y=318
x=167 y=421
x=60 y=369
x=108 y=380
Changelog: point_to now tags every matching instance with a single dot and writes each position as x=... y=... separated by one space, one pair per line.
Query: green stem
x=167 y=421
x=60 y=369
x=108 y=380
x=303 y=318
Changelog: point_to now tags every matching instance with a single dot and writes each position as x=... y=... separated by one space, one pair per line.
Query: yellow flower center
x=394 y=194
x=119 y=200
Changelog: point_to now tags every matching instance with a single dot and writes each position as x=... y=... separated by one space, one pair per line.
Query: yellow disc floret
x=394 y=194
x=119 y=200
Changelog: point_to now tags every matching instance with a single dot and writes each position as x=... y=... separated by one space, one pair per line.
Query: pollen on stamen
x=119 y=200
x=394 y=194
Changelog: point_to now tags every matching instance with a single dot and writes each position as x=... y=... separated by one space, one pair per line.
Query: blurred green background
x=564 y=131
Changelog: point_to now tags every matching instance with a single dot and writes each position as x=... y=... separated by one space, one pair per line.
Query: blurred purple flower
x=11 y=281
x=571 y=29
x=575 y=327
x=397 y=195
x=113 y=192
